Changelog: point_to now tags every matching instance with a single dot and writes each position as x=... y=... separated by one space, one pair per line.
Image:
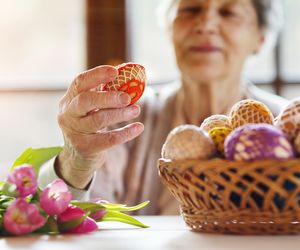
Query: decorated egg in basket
x=188 y=142
x=249 y=111
x=256 y=142
x=218 y=135
x=215 y=121
x=131 y=79
x=297 y=143
x=289 y=119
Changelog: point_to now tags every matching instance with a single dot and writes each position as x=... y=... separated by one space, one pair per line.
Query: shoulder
x=274 y=102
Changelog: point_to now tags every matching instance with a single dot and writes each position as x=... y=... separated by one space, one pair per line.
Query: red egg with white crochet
x=131 y=80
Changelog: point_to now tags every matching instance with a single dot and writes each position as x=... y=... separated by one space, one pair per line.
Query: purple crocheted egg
x=256 y=142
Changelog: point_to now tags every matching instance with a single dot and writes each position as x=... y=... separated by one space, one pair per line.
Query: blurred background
x=45 y=44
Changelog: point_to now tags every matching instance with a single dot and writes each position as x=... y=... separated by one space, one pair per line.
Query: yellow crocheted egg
x=187 y=142
x=218 y=135
x=249 y=111
x=289 y=119
x=215 y=121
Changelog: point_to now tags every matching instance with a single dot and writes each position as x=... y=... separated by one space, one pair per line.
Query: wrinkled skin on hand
x=84 y=115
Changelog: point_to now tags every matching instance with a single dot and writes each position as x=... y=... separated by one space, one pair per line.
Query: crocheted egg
x=131 y=79
x=289 y=119
x=218 y=135
x=297 y=143
x=187 y=142
x=256 y=142
x=249 y=111
x=215 y=121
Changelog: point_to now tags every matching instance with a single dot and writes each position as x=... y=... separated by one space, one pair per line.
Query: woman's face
x=213 y=38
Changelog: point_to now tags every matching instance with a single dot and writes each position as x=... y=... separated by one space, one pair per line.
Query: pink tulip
x=87 y=226
x=22 y=217
x=98 y=214
x=24 y=179
x=71 y=213
x=74 y=220
x=55 y=198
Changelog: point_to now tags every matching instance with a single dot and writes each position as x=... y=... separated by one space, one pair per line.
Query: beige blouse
x=130 y=173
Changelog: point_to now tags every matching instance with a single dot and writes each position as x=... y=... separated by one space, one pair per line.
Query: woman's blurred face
x=213 y=38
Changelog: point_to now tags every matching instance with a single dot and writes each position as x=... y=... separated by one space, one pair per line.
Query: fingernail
x=135 y=110
x=112 y=72
x=139 y=128
x=124 y=98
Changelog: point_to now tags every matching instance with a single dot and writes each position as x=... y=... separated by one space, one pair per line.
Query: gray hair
x=269 y=15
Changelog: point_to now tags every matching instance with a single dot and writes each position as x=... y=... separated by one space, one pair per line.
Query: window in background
x=42 y=43
x=290 y=52
x=149 y=44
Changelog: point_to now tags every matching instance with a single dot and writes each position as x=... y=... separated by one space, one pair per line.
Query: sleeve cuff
x=47 y=175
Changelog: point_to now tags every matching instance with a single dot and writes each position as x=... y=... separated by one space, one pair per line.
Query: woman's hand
x=84 y=115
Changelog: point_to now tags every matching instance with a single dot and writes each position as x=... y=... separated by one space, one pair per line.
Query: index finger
x=91 y=79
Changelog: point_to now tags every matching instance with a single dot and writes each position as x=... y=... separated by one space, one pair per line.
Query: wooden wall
x=106 y=32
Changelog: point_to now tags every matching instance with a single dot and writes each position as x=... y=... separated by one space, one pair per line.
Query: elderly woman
x=212 y=41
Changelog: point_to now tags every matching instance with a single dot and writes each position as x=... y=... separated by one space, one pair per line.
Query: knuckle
x=75 y=87
x=79 y=79
x=61 y=120
x=111 y=99
x=114 y=138
x=99 y=118
x=106 y=99
x=82 y=99
x=127 y=134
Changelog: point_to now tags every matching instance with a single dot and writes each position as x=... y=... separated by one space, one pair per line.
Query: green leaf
x=10 y=190
x=36 y=157
x=87 y=206
x=68 y=225
x=1 y=222
x=50 y=227
x=5 y=201
x=124 y=218
x=119 y=207
x=93 y=206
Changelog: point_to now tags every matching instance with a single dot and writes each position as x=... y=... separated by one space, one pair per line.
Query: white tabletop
x=165 y=232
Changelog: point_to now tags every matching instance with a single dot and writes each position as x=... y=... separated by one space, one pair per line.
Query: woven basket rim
x=227 y=161
x=174 y=164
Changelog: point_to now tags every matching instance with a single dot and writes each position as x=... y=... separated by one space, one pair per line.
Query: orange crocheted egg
x=131 y=79
x=289 y=119
x=187 y=142
x=215 y=121
x=249 y=111
x=218 y=135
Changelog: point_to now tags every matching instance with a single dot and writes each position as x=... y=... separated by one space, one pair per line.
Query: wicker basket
x=220 y=196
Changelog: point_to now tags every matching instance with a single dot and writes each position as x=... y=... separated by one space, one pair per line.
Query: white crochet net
x=125 y=75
